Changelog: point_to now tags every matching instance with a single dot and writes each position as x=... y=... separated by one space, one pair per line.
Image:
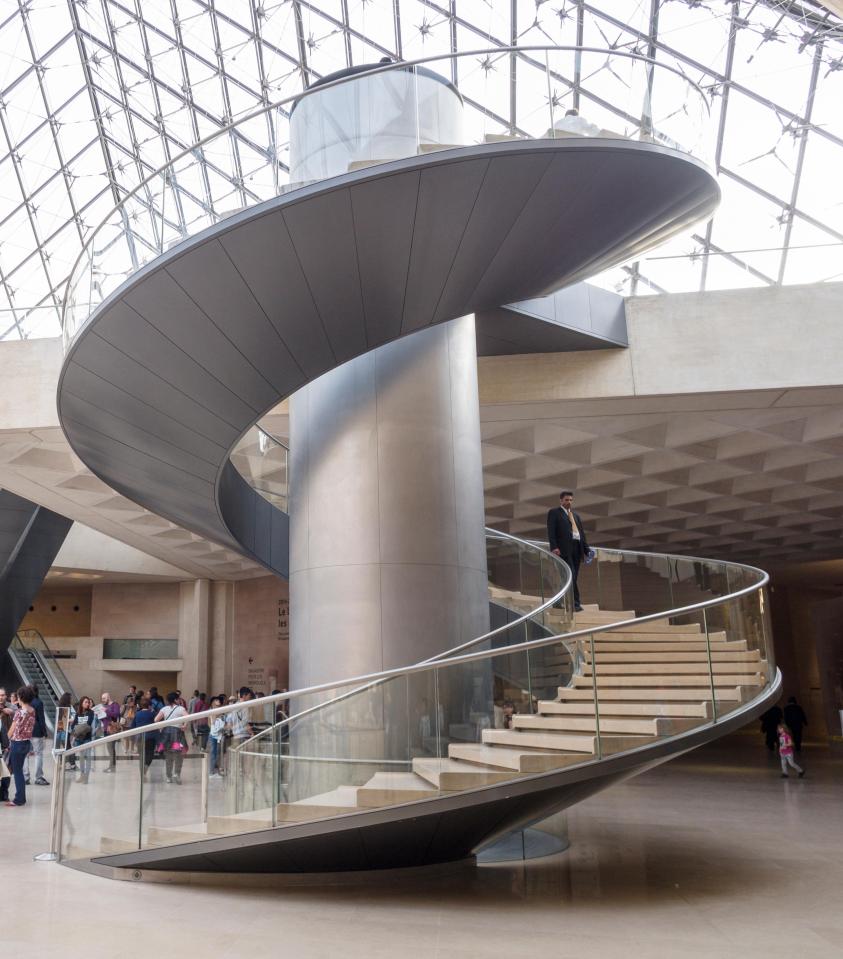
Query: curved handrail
x=368 y=679
x=401 y=65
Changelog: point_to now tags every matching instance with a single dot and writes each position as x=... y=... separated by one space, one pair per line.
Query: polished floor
x=712 y=855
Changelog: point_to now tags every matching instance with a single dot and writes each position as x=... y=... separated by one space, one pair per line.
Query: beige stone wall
x=64 y=611
x=115 y=611
x=219 y=626
x=88 y=676
x=135 y=610
x=794 y=632
x=260 y=634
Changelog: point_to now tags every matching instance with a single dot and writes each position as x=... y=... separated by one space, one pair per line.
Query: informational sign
x=283 y=627
x=62 y=727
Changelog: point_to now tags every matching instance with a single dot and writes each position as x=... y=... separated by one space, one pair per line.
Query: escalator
x=35 y=664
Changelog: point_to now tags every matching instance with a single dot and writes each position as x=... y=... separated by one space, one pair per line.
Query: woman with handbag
x=81 y=731
x=172 y=741
x=20 y=741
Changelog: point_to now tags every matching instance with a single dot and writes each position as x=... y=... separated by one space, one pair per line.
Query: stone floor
x=711 y=855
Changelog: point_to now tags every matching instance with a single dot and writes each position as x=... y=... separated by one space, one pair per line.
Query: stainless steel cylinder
x=387 y=550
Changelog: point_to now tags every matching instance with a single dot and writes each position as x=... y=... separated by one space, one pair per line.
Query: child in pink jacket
x=786 y=751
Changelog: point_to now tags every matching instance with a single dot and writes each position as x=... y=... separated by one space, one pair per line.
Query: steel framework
x=96 y=94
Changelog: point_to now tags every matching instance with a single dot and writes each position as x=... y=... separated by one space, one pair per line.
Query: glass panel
x=140 y=648
x=263 y=462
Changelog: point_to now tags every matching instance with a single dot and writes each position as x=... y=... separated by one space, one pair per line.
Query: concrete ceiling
x=40 y=465
x=753 y=475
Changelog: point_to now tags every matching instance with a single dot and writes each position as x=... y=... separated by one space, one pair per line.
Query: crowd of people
x=23 y=732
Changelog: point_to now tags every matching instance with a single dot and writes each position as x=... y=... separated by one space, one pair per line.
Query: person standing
x=82 y=730
x=5 y=727
x=566 y=535
x=108 y=714
x=20 y=737
x=794 y=716
x=39 y=738
x=769 y=726
x=172 y=741
x=216 y=739
x=239 y=720
x=201 y=727
x=143 y=717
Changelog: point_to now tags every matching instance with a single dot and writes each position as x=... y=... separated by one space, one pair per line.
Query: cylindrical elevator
x=387 y=549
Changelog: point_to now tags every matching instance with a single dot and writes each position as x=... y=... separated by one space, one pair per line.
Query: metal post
x=596 y=702
x=529 y=679
x=710 y=668
x=276 y=765
x=599 y=584
x=203 y=796
x=141 y=778
x=55 y=815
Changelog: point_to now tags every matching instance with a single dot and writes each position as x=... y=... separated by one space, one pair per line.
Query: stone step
x=388 y=789
x=732 y=693
x=696 y=645
x=647 y=726
x=701 y=710
x=694 y=656
x=570 y=742
x=604 y=615
x=341 y=796
x=671 y=668
x=631 y=634
x=670 y=680
x=170 y=835
x=451 y=774
x=517 y=760
x=656 y=627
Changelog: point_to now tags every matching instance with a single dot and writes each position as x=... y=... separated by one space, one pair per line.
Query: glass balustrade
x=614 y=684
x=424 y=106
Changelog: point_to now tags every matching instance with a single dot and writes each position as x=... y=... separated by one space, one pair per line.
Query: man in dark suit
x=566 y=536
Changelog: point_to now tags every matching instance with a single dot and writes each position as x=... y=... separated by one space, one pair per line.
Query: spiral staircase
x=171 y=362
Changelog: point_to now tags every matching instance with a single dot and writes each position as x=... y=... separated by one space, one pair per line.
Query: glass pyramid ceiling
x=97 y=94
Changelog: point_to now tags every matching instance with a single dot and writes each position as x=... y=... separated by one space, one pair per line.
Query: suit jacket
x=559 y=532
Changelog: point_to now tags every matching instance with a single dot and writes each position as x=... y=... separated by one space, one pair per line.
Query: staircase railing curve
x=536 y=583
x=639 y=687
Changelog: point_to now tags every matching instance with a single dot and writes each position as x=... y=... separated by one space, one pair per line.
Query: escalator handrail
x=54 y=672
x=366 y=680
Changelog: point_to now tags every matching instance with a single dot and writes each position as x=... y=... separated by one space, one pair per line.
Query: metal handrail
x=380 y=68
x=763 y=580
